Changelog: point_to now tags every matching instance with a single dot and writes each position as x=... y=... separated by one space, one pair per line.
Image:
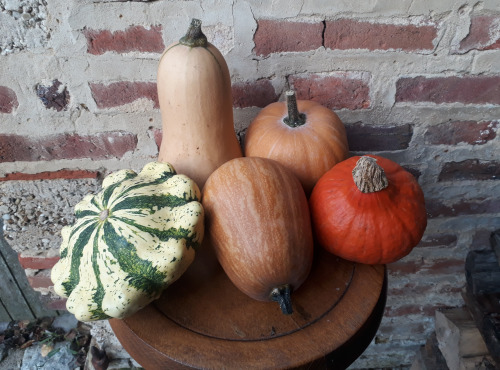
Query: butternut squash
x=194 y=93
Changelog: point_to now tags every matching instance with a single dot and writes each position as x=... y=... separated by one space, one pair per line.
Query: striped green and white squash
x=129 y=242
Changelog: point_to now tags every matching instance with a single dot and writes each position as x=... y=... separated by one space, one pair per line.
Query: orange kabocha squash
x=194 y=92
x=369 y=210
x=259 y=225
x=303 y=135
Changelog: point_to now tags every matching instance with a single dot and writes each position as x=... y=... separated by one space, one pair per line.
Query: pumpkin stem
x=368 y=176
x=281 y=295
x=194 y=37
x=295 y=118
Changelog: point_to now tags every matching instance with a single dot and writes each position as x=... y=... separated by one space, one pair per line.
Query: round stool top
x=204 y=321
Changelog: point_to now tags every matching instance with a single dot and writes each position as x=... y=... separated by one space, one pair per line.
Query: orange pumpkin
x=302 y=135
x=369 y=210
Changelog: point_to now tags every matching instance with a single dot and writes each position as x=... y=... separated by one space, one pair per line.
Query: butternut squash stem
x=281 y=295
x=295 y=118
x=368 y=176
x=194 y=36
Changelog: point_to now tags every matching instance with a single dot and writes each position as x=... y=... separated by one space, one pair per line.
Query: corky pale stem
x=194 y=36
x=295 y=118
x=368 y=176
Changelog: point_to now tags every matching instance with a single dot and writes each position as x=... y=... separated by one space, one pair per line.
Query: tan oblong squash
x=194 y=93
x=259 y=225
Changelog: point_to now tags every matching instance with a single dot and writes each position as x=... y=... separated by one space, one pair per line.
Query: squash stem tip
x=194 y=36
x=295 y=118
x=368 y=176
x=281 y=295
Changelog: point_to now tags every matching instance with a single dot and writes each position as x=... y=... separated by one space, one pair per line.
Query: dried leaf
x=27 y=344
x=70 y=335
x=23 y=324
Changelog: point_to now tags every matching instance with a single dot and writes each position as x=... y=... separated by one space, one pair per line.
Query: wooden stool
x=204 y=321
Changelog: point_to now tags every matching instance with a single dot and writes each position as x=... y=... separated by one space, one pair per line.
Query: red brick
x=446 y=266
x=371 y=138
x=66 y=146
x=53 y=303
x=124 y=92
x=422 y=288
x=465 y=89
x=482 y=35
x=157 y=136
x=469 y=132
x=37 y=263
x=470 y=169
x=8 y=100
x=274 y=36
x=61 y=174
x=437 y=208
x=334 y=91
x=40 y=281
x=353 y=34
x=135 y=38
x=404 y=267
x=253 y=94
x=426 y=267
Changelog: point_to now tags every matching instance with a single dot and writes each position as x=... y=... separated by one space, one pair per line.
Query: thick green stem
x=194 y=37
x=368 y=176
x=281 y=295
x=295 y=118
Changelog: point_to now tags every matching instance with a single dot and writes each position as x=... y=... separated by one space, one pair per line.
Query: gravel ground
x=34 y=212
x=61 y=343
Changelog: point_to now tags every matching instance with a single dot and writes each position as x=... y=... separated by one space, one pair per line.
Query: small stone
x=62 y=358
x=12 y=5
x=65 y=322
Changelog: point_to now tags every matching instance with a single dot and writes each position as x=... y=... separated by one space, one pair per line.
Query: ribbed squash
x=302 y=135
x=368 y=210
x=129 y=242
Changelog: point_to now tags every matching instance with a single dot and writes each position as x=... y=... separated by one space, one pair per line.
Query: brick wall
x=418 y=82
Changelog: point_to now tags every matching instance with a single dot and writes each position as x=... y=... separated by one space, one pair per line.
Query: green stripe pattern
x=128 y=242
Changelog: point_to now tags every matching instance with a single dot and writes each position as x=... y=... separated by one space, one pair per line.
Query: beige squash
x=194 y=92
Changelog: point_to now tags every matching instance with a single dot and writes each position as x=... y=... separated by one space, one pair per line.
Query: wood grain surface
x=204 y=321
